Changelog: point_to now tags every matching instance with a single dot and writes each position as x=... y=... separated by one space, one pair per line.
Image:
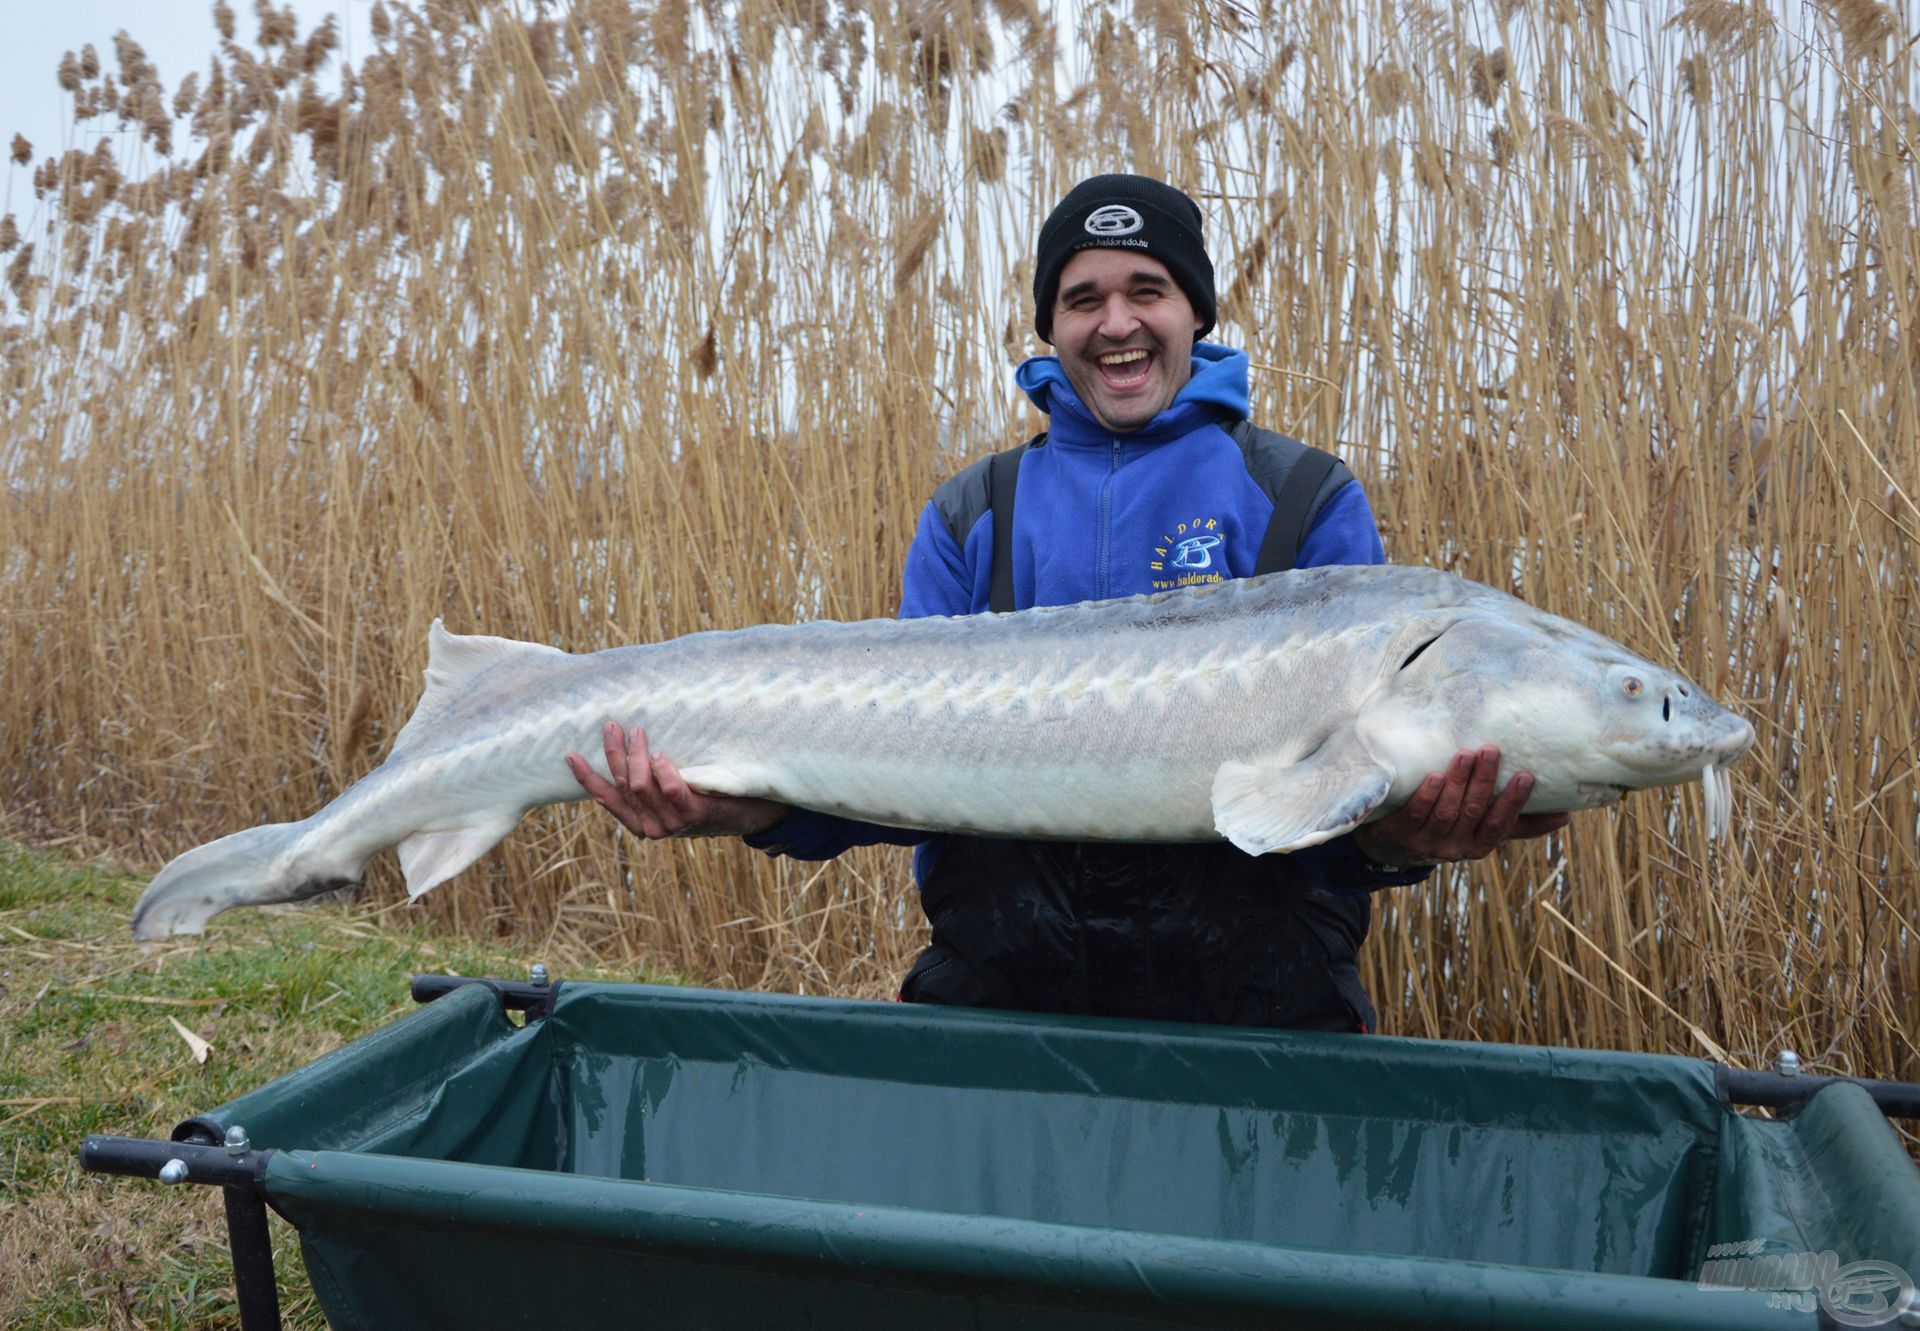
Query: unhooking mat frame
x=1051 y=1274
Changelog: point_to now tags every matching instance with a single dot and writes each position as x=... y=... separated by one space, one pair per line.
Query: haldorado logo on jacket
x=1191 y=553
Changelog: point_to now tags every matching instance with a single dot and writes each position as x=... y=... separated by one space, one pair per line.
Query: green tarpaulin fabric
x=650 y=1156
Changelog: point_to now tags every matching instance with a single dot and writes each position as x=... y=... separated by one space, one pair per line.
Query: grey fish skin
x=1275 y=712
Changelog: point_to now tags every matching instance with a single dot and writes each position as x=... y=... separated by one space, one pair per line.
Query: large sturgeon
x=1274 y=712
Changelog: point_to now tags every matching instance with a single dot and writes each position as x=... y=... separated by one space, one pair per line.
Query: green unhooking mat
x=645 y=1157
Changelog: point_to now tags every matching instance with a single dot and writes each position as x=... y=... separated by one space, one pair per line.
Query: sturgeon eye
x=1632 y=687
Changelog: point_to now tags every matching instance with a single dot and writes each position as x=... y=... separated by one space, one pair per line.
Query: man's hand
x=1455 y=816
x=650 y=798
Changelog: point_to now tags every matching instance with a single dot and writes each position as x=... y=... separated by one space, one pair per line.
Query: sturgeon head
x=1586 y=717
x=1589 y=719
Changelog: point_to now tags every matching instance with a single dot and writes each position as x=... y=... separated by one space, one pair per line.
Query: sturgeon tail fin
x=269 y=863
x=250 y=868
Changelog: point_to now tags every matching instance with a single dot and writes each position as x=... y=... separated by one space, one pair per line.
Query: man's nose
x=1117 y=317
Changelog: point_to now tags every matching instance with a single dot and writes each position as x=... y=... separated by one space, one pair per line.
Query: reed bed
x=601 y=322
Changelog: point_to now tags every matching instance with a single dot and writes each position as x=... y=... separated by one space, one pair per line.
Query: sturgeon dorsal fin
x=452 y=660
x=1279 y=806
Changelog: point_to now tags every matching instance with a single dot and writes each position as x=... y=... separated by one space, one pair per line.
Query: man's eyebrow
x=1139 y=277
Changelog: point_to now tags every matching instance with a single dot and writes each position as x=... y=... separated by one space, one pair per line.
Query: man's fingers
x=614 y=740
x=605 y=795
x=1416 y=811
x=1453 y=790
x=1497 y=826
x=640 y=767
x=592 y=782
x=1529 y=825
x=1506 y=810
x=1478 y=799
x=681 y=797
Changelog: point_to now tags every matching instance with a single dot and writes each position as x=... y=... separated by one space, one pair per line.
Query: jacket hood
x=1217 y=390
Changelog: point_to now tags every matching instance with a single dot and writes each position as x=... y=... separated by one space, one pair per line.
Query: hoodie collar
x=1217 y=390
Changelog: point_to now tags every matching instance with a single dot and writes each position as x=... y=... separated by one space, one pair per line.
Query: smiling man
x=1149 y=477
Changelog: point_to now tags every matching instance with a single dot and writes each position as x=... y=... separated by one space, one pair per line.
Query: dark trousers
x=1174 y=933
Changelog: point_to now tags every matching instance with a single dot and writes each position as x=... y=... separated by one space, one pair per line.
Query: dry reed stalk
x=599 y=323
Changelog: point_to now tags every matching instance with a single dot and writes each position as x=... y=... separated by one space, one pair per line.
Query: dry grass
x=602 y=322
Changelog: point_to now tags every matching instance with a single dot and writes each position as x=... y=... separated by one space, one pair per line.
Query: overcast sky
x=178 y=36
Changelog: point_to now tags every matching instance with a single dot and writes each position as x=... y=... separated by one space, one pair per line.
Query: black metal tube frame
x=536 y=1000
x=1772 y=1090
x=239 y=1175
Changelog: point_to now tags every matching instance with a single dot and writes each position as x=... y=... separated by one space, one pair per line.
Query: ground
x=88 y=1044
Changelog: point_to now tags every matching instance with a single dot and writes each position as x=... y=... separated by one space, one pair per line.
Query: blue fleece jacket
x=1103 y=515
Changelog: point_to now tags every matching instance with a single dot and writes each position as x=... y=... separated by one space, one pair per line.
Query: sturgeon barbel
x=1275 y=712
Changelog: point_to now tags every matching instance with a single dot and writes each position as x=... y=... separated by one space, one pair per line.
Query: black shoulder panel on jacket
x=1270 y=456
x=962 y=498
x=1271 y=459
x=968 y=493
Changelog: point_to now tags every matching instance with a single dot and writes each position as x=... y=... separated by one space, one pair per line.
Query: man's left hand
x=1455 y=815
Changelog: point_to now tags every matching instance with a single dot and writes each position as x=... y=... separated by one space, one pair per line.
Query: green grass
x=86 y=1046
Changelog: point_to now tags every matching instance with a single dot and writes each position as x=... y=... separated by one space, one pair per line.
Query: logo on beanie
x=1113 y=219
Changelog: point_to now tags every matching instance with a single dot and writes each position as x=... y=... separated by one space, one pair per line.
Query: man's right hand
x=649 y=797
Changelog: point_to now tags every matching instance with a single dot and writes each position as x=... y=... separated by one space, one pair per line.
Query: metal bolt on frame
x=1787 y=1063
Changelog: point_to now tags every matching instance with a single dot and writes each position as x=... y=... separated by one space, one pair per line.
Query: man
x=1140 y=484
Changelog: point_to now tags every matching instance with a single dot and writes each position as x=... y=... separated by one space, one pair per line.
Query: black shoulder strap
x=1298 y=479
x=1003 y=475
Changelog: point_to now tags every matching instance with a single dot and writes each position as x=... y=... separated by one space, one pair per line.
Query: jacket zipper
x=1106 y=517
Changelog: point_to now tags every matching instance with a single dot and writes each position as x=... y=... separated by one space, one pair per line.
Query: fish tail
x=252 y=868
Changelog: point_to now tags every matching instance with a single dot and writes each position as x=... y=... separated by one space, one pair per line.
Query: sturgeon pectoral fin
x=428 y=859
x=719 y=779
x=1264 y=807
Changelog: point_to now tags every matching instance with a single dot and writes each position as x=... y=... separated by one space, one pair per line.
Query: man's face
x=1123 y=330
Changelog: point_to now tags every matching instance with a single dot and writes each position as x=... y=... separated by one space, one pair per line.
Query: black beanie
x=1124 y=212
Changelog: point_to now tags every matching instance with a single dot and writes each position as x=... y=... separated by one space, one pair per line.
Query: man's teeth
x=1123 y=357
